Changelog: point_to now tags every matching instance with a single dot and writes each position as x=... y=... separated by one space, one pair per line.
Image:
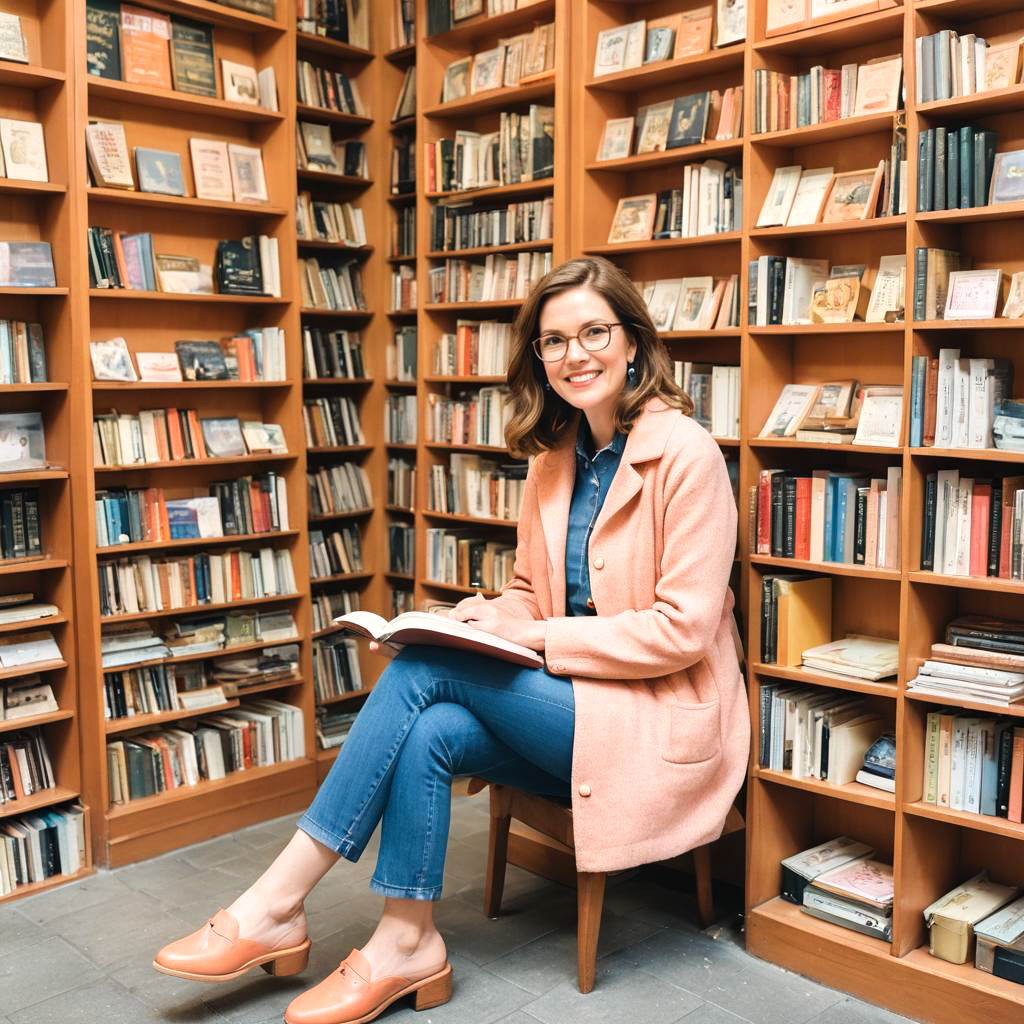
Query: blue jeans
x=436 y=713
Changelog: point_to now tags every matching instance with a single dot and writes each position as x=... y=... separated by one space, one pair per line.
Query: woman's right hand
x=466 y=607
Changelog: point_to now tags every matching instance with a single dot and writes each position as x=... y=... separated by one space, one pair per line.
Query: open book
x=438 y=631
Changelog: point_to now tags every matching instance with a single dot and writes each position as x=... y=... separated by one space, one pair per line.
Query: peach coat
x=662 y=725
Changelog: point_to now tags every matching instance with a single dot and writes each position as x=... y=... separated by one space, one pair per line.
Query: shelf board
x=18 y=627
x=401 y=446
x=449 y=517
x=721 y=149
x=401 y=312
x=457 y=588
x=15 y=566
x=951 y=700
x=459 y=196
x=339 y=247
x=194 y=542
x=141 y=296
x=456 y=307
x=663 y=244
x=219 y=14
x=200 y=609
x=402 y=124
x=342 y=577
x=465 y=379
x=181 y=659
x=780 y=911
x=973 y=215
x=29 y=76
x=974 y=454
x=399 y=260
x=310 y=42
x=353 y=382
x=42 y=293
x=340 y=449
x=816 y=677
x=677 y=70
x=827 y=131
x=978 y=822
x=34 y=720
x=828 y=568
x=448 y=446
x=306 y=110
x=837 y=35
x=338 y=314
x=188 y=385
x=169 y=99
x=31 y=476
x=401 y=55
x=49 y=883
x=157 y=201
x=469 y=30
x=35 y=802
x=330 y=178
x=721 y=332
x=994 y=324
x=853 y=792
x=857 y=327
x=990 y=583
x=503 y=98
x=34 y=388
x=486 y=250
x=33 y=669
x=355 y=513
x=995 y=101
x=840 y=228
x=234 y=460
x=821 y=446
x=401 y=577
x=343 y=698
x=117 y=726
x=400 y=510
x=957 y=10
x=401 y=385
x=18 y=186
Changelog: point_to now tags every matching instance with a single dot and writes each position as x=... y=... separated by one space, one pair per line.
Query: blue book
x=990 y=769
x=920 y=364
x=839 y=516
x=114 y=527
x=827 y=547
x=182 y=520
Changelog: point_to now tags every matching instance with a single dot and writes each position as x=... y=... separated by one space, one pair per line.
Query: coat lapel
x=554 y=495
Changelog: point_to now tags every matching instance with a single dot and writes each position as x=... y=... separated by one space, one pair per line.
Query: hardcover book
x=183 y=275
x=731 y=23
x=785 y=16
x=239 y=271
x=488 y=70
x=810 y=197
x=617 y=139
x=661 y=38
x=107 y=151
x=111 y=360
x=853 y=195
x=863 y=881
x=878 y=86
x=456 y=80
x=159 y=171
x=24 y=149
x=145 y=47
x=201 y=360
x=158 y=366
x=211 y=170
x=781 y=193
x=689 y=121
x=223 y=437
x=240 y=83
x=103 y=38
x=192 y=66
x=1007 y=177
x=633 y=220
x=247 y=180
x=693 y=36
x=264 y=437
x=655 y=121
x=973 y=294
x=26 y=265
x=22 y=445
x=12 y=39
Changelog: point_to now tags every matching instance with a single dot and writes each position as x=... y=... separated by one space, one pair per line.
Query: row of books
x=403 y=288
x=343 y=487
x=255 y=354
x=329 y=604
x=950 y=65
x=331 y=422
x=709 y=203
x=498 y=278
x=669 y=37
x=147 y=48
x=973 y=527
x=474 y=486
x=526 y=56
x=944 y=291
x=828 y=516
x=253 y=735
x=331 y=353
x=715 y=392
x=953 y=399
x=400 y=357
x=784 y=101
x=522 y=149
x=39 y=846
x=477 y=348
x=25 y=766
x=838 y=412
x=692 y=303
x=133 y=586
x=21 y=533
x=457 y=227
x=332 y=287
x=335 y=667
x=221 y=171
x=458 y=558
x=401 y=549
x=400 y=419
x=248 y=505
x=403 y=23
x=165 y=435
x=401 y=482
x=332 y=727
x=327 y=89
x=958 y=168
x=336 y=553
x=325 y=221
x=403 y=232
x=476 y=418
x=688 y=120
x=347 y=21
x=22 y=353
x=317 y=150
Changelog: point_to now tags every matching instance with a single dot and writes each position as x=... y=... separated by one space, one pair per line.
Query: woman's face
x=590 y=381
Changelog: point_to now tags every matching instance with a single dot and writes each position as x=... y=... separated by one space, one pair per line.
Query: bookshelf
x=42 y=91
x=154 y=321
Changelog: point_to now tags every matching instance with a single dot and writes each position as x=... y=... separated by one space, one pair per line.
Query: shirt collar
x=616 y=446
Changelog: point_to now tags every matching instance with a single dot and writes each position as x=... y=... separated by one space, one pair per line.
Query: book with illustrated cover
x=159 y=171
x=436 y=630
x=238 y=267
x=12 y=39
x=24 y=149
x=804 y=867
x=145 y=47
x=26 y=265
x=192 y=66
x=103 y=38
x=107 y=150
x=22 y=444
x=863 y=880
x=158 y=366
x=211 y=171
x=223 y=437
x=201 y=360
x=111 y=360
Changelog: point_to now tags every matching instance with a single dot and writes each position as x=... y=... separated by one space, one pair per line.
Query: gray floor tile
x=172 y=999
x=34 y=973
x=711 y=1014
x=215 y=851
x=102 y=1000
x=769 y=995
x=618 y=995
x=16 y=930
x=76 y=897
x=853 y=1011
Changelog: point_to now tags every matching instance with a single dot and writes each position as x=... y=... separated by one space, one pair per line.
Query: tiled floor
x=81 y=954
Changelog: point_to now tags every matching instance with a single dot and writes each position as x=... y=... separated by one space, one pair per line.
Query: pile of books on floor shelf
x=35 y=847
x=841 y=882
x=252 y=735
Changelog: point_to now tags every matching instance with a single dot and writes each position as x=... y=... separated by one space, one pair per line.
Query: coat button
x=599 y=562
x=584 y=790
x=558 y=668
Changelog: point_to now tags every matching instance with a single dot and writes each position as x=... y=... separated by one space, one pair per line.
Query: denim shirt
x=593 y=479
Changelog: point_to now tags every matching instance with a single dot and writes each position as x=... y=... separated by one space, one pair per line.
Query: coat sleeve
x=699 y=545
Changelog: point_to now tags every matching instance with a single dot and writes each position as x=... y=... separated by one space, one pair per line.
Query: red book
x=833 y=87
x=1017 y=776
x=195 y=429
x=764 y=512
x=931 y=397
x=802 y=548
x=981 y=501
x=174 y=432
x=236 y=578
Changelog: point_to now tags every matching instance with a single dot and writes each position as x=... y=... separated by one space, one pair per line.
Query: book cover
x=26 y=265
x=103 y=38
x=159 y=171
x=201 y=360
x=192 y=66
x=145 y=47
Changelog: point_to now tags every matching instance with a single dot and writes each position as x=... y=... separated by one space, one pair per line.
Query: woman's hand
x=481 y=613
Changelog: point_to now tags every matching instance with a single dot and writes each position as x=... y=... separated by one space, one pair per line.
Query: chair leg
x=702 y=871
x=497 y=852
x=589 y=902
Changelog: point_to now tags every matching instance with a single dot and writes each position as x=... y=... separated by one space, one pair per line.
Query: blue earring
x=631 y=373
x=547 y=385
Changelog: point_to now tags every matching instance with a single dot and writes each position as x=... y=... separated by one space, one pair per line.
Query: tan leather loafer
x=216 y=953
x=349 y=997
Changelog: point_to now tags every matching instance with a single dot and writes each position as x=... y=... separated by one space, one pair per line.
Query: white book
x=801 y=277
x=810 y=196
x=946 y=483
x=779 y=200
x=961 y=404
x=980 y=405
x=963 y=528
x=945 y=397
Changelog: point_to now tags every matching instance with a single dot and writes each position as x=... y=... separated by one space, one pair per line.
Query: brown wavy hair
x=540 y=416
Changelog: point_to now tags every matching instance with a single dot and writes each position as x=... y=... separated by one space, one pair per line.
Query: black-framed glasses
x=551 y=348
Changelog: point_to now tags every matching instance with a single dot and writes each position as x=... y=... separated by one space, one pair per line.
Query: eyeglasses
x=552 y=348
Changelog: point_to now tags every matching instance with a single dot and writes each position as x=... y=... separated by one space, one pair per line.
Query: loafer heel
x=435 y=992
x=286 y=966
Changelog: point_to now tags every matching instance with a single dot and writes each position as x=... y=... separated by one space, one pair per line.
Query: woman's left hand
x=526 y=632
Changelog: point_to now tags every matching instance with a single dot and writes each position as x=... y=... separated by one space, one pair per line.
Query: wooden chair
x=553 y=818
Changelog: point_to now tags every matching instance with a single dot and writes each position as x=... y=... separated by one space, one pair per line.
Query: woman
x=625 y=543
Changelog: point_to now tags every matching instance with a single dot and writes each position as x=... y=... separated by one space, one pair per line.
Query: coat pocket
x=694 y=733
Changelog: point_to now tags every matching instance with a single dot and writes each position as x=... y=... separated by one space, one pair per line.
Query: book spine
x=920 y=280
x=928 y=523
x=917 y=400
x=966 y=167
x=939 y=169
x=952 y=168
x=789 y=516
x=995 y=526
x=777 y=514
x=860 y=526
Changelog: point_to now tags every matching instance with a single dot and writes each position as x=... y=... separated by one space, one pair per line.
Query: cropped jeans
x=434 y=714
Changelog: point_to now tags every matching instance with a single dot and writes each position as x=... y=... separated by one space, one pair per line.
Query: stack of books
x=332 y=727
